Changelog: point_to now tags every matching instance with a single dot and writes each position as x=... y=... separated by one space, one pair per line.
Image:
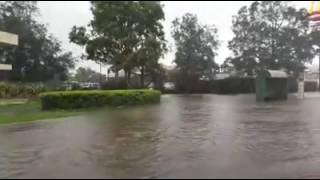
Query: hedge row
x=89 y=99
x=247 y=85
x=233 y=86
x=20 y=90
x=310 y=86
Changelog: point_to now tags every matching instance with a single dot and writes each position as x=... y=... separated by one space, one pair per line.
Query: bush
x=233 y=85
x=118 y=84
x=20 y=90
x=113 y=84
x=89 y=99
x=310 y=86
x=293 y=85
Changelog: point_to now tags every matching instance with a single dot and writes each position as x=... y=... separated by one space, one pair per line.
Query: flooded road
x=197 y=136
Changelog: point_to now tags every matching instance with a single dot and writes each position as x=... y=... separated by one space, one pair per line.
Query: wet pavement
x=197 y=136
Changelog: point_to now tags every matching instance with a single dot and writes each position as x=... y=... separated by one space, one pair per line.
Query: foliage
x=125 y=35
x=89 y=99
x=88 y=75
x=270 y=34
x=37 y=52
x=196 y=50
x=20 y=90
x=233 y=86
x=120 y=83
x=114 y=84
x=310 y=86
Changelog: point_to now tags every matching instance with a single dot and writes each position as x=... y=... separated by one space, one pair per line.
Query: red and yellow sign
x=314 y=11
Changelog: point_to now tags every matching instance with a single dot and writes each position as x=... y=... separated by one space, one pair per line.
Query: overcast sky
x=60 y=16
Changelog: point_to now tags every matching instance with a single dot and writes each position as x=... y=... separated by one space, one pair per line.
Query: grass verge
x=31 y=111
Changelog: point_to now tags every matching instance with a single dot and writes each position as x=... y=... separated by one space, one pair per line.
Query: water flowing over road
x=196 y=136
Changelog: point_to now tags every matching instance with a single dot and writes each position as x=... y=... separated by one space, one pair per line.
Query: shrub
x=89 y=99
x=113 y=84
x=118 y=84
x=233 y=85
x=20 y=90
x=310 y=86
x=293 y=85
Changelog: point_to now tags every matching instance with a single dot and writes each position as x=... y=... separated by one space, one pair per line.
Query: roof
x=277 y=74
x=266 y=73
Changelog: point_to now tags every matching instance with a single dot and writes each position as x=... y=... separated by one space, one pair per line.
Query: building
x=7 y=39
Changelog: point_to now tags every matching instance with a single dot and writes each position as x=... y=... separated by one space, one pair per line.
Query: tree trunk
x=116 y=75
x=128 y=78
x=142 y=78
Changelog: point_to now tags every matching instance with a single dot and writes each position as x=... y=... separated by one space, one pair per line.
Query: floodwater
x=196 y=136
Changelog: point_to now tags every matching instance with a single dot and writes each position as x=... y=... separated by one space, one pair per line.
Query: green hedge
x=20 y=90
x=310 y=86
x=233 y=85
x=89 y=99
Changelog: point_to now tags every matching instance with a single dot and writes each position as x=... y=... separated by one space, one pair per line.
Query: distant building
x=228 y=72
x=311 y=74
x=222 y=75
x=7 y=39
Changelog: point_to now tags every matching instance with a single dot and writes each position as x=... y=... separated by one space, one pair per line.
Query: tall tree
x=39 y=56
x=120 y=33
x=270 y=34
x=147 y=58
x=196 y=50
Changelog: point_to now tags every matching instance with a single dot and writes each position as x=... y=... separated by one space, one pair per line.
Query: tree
x=270 y=34
x=147 y=59
x=39 y=56
x=88 y=75
x=121 y=33
x=196 y=50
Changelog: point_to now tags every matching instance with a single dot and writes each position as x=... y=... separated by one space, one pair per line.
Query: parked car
x=74 y=85
x=90 y=85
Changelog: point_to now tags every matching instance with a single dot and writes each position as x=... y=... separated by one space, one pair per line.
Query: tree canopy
x=39 y=56
x=197 y=47
x=125 y=35
x=270 y=34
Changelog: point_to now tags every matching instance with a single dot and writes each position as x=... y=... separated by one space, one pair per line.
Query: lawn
x=30 y=111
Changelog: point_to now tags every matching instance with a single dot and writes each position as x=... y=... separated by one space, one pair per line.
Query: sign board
x=5 y=67
x=8 y=38
x=5 y=40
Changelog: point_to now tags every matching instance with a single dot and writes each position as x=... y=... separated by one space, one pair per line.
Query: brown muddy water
x=196 y=136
